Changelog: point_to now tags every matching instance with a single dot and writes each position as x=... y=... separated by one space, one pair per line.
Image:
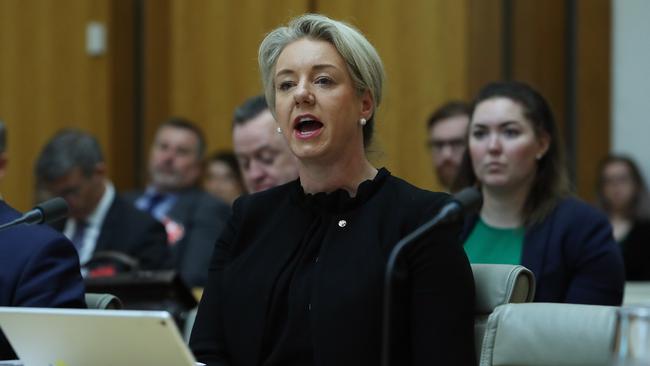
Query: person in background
x=447 y=128
x=527 y=216
x=38 y=266
x=222 y=177
x=297 y=276
x=193 y=218
x=623 y=195
x=263 y=155
x=4 y=160
x=109 y=233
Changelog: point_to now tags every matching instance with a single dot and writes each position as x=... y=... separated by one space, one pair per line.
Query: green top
x=487 y=244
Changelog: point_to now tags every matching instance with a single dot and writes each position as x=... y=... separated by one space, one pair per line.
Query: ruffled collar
x=339 y=201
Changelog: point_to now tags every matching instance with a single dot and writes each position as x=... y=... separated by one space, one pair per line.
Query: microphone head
x=52 y=209
x=469 y=199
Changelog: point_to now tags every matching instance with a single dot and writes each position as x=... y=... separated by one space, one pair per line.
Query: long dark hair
x=638 y=207
x=551 y=182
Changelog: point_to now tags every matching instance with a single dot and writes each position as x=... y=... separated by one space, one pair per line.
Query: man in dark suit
x=109 y=234
x=38 y=266
x=193 y=218
x=264 y=157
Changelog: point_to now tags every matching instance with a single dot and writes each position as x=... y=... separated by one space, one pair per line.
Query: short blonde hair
x=363 y=62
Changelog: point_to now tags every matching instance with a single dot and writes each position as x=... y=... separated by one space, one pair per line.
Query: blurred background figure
x=528 y=216
x=192 y=218
x=447 y=130
x=623 y=195
x=263 y=155
x=222 y=177
x=71 y=165
x=3 y=150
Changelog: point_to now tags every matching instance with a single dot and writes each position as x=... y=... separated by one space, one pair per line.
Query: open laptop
x=80 y=337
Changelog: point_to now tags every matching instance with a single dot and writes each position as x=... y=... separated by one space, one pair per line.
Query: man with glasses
x=447 y=130
x=109 y=234
x=262 y=153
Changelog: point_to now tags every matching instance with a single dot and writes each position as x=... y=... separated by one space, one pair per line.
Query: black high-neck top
x=297 y=279
x=287 y=336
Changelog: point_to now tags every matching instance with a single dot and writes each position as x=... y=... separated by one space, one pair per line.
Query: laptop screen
x=81 y=337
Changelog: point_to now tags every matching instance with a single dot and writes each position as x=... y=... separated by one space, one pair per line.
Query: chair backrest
x=498 y=284
x=103 y=301
x=636 y=293
x=542 y=334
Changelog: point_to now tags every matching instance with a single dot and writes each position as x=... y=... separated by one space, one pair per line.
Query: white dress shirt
x=93 y=225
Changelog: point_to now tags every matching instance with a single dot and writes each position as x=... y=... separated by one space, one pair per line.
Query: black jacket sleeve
x=207 y=341
x=441 y=287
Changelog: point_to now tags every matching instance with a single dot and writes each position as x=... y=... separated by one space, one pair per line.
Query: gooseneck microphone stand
x=51 y=210
x=462 y=202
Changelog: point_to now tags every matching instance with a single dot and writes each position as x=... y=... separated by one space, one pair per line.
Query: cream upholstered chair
x=102 y=301
x=543 y=334
x=498 y=284
x=636 y=293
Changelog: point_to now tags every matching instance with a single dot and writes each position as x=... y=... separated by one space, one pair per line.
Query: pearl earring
x=278 y=130
x=539 y=156
x=362 y=121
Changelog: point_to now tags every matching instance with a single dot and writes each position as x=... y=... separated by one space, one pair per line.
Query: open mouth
x=307 y=127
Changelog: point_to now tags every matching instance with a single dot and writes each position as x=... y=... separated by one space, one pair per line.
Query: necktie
x=78 y=235
x=154 y=201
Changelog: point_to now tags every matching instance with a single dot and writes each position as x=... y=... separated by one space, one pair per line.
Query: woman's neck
x=619 y=217
x=620 y=213
x=503 y=208
x=621 y=225
x=343 y=174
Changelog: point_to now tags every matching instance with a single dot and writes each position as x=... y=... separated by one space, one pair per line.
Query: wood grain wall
x=47 y=82
x=201 y=60
x=593 y=79
x=424 y=47
x=197 y=59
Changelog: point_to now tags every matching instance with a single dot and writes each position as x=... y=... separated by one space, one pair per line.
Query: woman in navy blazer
x=514 y=155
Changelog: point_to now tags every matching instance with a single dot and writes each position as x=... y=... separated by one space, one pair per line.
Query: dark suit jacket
x=203 y=218
x=128 y=230
x=38 y=268
x=573 y=256
x=636 y=251
x=433 y=314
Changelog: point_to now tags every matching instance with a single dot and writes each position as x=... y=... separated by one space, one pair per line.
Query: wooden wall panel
x=541 y=58
x=539 y=50
x=485 y=43
x=43 y=72
x=199 y=61
x=120 y=144
x=155 y=73
x=593 y=91
x=423 y=45
x=205 y=60
x=48 y=82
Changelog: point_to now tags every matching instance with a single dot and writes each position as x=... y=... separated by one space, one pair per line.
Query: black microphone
x=48 y=211
x=464 y=201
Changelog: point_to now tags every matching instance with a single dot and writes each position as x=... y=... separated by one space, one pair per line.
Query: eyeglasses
x=617 y=180
x=454 y=145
